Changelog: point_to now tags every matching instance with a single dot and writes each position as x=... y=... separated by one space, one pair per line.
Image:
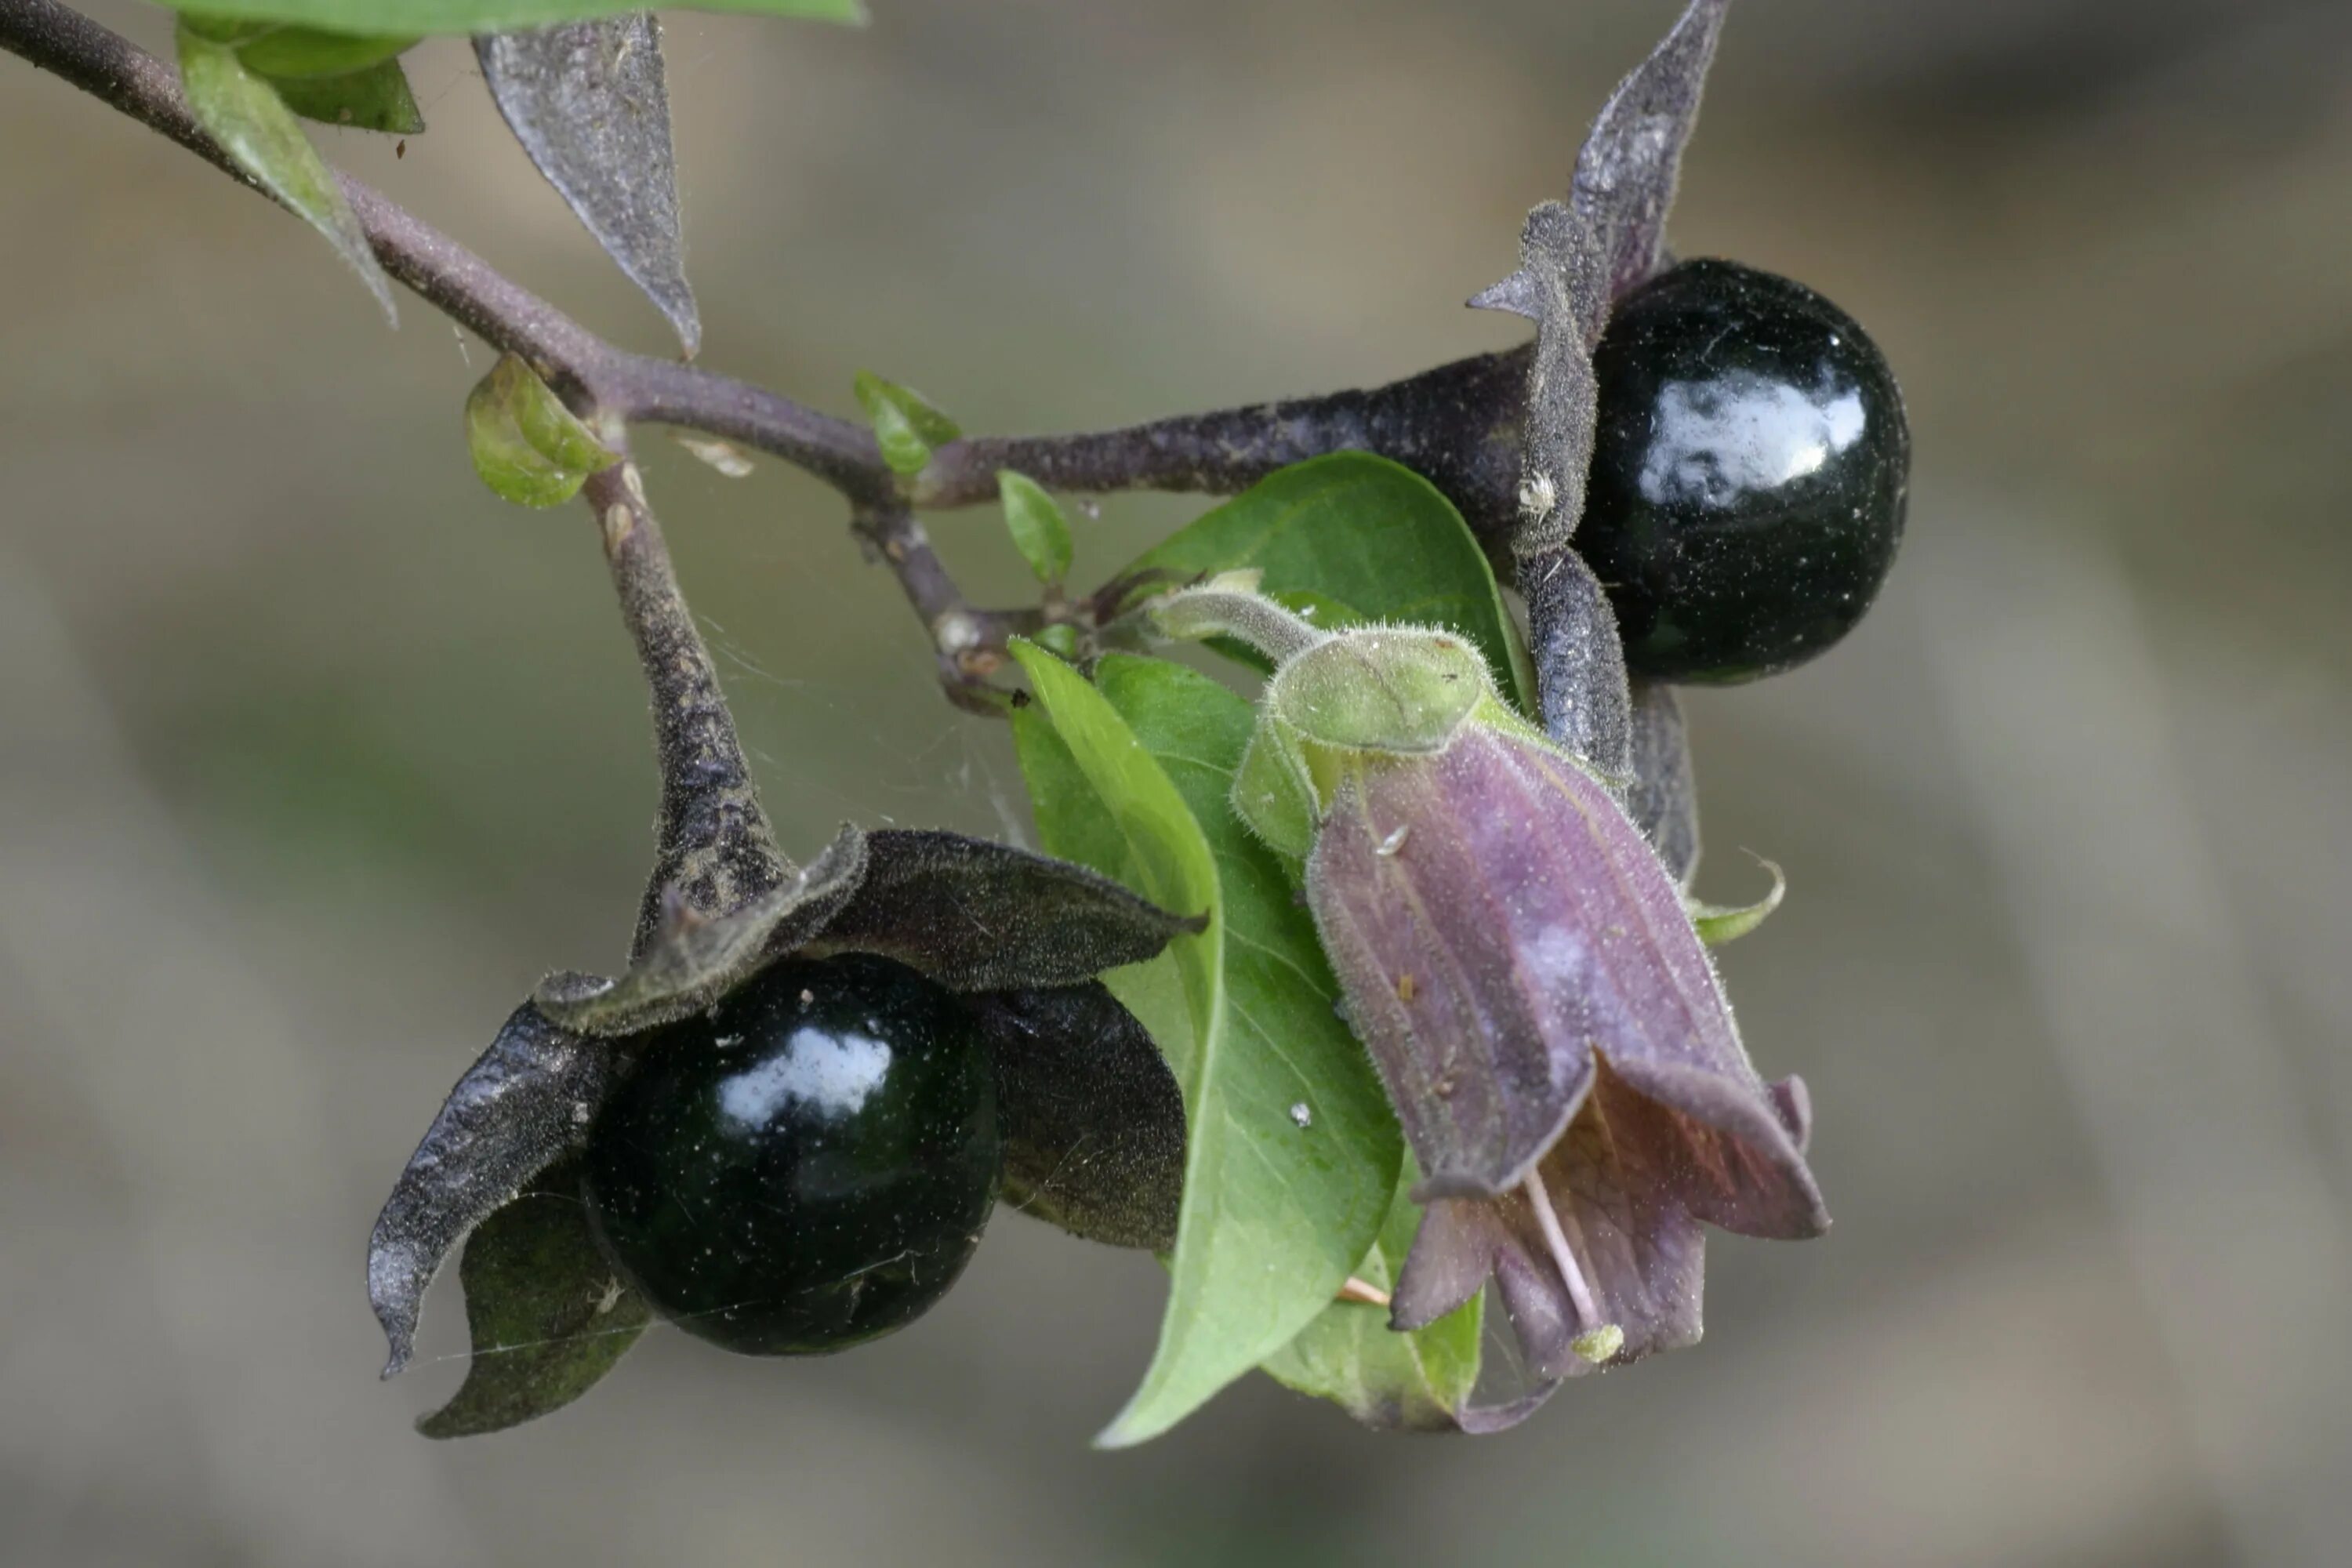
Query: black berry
x=1748 y=473
x=805 y=1167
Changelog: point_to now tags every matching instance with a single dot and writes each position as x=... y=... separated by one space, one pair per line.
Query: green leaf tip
x=1040 y=531
x=906 y=426
x=242 y=110
x=527 y=447
x=1719 y=924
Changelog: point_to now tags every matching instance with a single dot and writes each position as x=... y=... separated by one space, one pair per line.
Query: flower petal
x=1482 y=1051
x=1721 y=1148
x=1639 y=1253
x=1496 y=917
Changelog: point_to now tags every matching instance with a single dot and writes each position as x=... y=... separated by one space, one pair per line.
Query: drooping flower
x=1525 y=974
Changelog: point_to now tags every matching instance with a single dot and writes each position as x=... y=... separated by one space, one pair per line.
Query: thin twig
x=1457 y=424
x=464 y=287
x=714 y=849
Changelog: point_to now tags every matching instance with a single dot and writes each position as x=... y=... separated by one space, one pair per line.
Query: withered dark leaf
x=1561 y=283
x=548 y=1315
x=1575 y=259
x=1625 y=174
x=589 y=102
x=979 y=916
x=695 y=958
x=1664 y=798
x=1092 y=1121
x=524 y=1105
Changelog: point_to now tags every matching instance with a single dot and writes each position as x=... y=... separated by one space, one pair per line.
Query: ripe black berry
x=1748 y=473
x=805 y=1167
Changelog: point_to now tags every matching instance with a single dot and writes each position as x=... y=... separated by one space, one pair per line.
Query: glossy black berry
x=806 y=1167
x=1748 y=473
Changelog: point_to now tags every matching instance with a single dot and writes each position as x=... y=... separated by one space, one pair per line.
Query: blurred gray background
x=313 y=756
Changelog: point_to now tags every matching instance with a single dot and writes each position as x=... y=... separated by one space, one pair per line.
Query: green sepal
x=907 y=426
x=1034 y=519
x=243 y=111
x=528 y=448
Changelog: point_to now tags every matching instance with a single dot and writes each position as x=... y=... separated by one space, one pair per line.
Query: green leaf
x=1355 y=537
x=1276 y=1216
x=906 y=426
x=292 y=53
x=244 y=113
x=376 y=98
x=526 y=446
x=1039 y=530
x=548 y=1315
x=438 y=16
x=1419 y=1382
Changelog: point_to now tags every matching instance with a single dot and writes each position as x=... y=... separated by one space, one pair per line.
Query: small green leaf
x=1719 y=924
x=1135 y=781
x=1039 y=530
x=1353 y=537
x=1060 y=638
x=526 y=446
x=1348 y=1354
x=906 y=426
x=548 y=1315
x=471 y=17
x=376 y=98
x=244 y=113
x=293 y=53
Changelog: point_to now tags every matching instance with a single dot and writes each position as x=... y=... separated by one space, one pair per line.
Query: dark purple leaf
x=589 y=103
x=1092 y=1121
x=979 y=916
x=524 y=1105
x=1625 y=174
x=548 y=1315
x=1663 y=797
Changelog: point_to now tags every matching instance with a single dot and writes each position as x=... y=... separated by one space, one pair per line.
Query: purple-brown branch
x=1458 y=424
